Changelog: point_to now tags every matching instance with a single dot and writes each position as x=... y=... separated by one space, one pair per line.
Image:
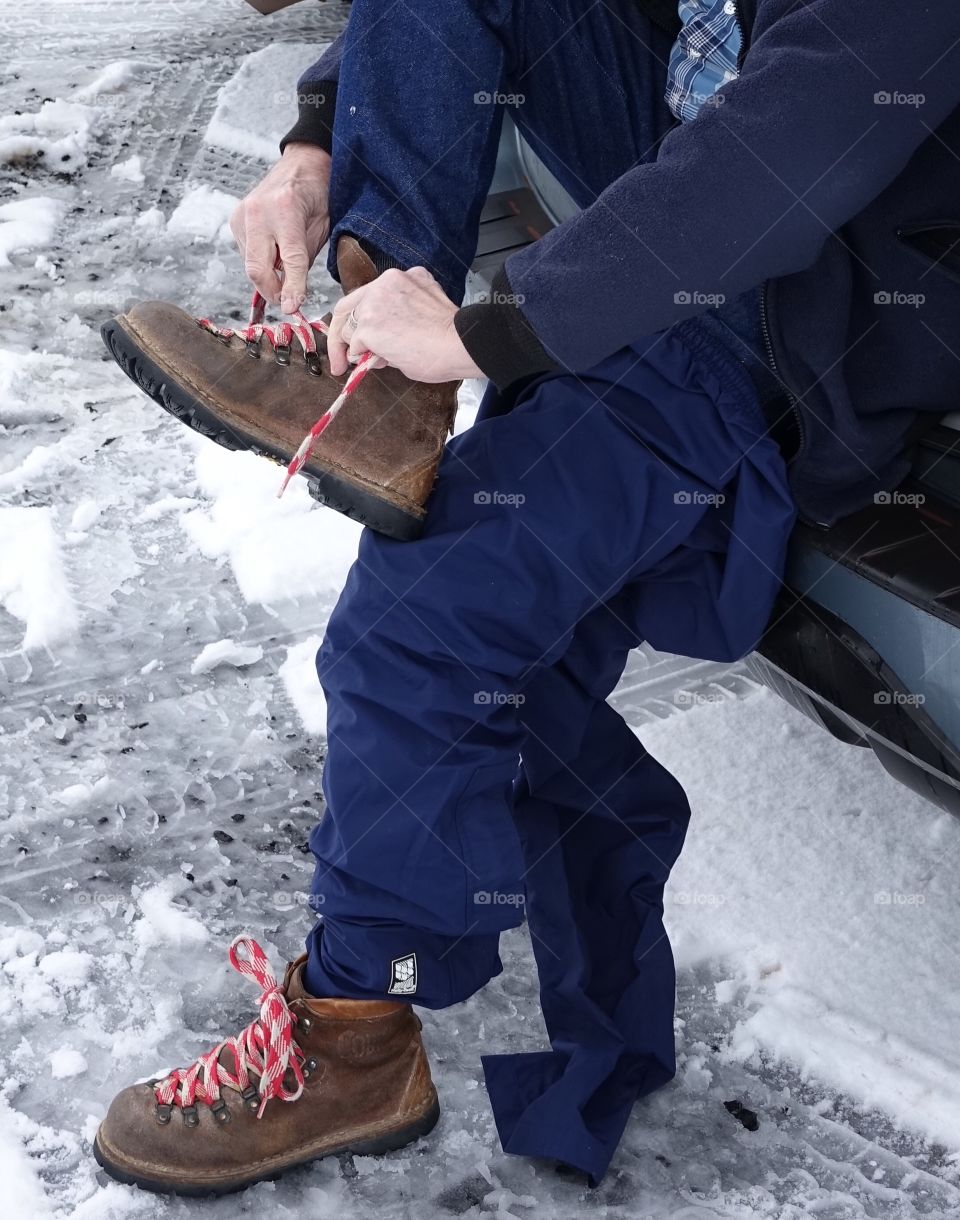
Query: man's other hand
x=287 y=211
x=406 y=319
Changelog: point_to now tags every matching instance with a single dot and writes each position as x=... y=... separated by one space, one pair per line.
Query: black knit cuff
x=499 y=339
x=316 y=102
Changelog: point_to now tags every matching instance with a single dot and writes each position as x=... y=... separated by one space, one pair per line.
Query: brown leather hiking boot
x=309 y=1078
x=376 y=461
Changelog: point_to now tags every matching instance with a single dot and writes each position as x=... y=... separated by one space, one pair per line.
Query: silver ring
x=352 y=319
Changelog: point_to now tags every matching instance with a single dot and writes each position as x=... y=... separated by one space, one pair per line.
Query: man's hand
x=406 y=319
x=287 y=211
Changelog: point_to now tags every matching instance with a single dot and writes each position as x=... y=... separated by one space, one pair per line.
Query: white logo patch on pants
x=403 y=975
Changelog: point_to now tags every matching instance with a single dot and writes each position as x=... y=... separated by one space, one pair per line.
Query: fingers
x=296 y=264
x=338 y=342
x=260 y=259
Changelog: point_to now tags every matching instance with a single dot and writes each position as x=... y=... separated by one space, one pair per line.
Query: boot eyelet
x=190 y=1116
x=253 y=348
x=163 y=1113
x=306 y=1024
x=220 y=1112
x=313 y=364
x=282 y=353
x=251 y=1097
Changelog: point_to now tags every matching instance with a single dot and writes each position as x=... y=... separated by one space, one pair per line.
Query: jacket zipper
x=772 y=359
x=744 y=39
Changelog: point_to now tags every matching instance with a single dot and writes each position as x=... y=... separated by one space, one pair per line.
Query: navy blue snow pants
x=475 y=771
x=639 y=501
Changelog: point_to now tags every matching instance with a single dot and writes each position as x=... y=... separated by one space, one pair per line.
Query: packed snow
x=162 y=737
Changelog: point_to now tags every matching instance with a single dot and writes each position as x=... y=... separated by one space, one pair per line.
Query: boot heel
x=398 y=1139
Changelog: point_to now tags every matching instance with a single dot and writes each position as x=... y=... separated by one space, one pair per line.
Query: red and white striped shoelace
x=266 y=1047
x=281 y=338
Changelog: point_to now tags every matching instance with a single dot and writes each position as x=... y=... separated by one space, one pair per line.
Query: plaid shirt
x=704 y=57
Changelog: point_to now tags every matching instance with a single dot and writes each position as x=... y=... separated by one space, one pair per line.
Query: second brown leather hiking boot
x=376 y=461
x=308 y=1079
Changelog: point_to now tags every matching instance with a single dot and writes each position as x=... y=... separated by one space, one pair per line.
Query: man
x=759 y=188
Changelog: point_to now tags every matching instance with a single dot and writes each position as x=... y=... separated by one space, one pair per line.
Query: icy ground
x=161 y=737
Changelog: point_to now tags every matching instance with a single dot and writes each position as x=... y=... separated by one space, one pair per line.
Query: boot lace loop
x=265 y=1048
x=281 y=337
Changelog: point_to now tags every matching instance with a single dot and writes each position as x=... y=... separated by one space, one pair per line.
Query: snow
x=162 y=737
x=67 y=967
x=277 y=548
x=164 y=923
x=87 y=513
x=59 y=133
x=33 y=585
x=258 y=105
x=26 y=224
x=299 y=674
x=226 y=652
x=23 y=1191
x=66 y=1062
x=202 y=214
x=130 y=170
x=820 y=886
x=113 y=80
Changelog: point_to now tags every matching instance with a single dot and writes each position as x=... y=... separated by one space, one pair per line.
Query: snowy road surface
x=161 y=737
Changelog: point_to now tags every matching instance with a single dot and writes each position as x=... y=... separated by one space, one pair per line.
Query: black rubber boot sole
x=371 y=1147
x=325 y=487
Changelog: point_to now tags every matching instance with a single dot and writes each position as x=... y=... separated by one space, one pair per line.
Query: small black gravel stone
x=740 y=1112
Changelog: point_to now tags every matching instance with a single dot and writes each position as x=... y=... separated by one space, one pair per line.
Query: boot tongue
x=354 y=266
